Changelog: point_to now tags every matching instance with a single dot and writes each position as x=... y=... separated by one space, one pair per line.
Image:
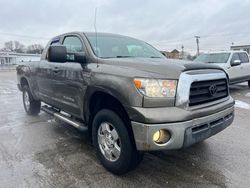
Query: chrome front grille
x=207 y=91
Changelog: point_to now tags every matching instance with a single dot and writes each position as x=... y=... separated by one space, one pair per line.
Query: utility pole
x=197 y=42
x=182 y=52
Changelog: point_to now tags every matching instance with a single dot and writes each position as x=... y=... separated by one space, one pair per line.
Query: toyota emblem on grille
x=213 y=90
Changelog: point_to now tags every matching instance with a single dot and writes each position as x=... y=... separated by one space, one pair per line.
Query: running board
x=56 y=113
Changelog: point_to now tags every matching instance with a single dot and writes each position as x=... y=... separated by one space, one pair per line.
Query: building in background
x=11 y=58
x=175 y=54
x=241 y=47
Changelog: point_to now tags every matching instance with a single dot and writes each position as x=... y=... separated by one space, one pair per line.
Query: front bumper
x=183 y=134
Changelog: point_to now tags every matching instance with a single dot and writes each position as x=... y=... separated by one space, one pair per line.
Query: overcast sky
x=163 y=23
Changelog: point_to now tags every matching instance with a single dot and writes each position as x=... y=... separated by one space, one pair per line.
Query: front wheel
x=113 y=144
x=31 y=106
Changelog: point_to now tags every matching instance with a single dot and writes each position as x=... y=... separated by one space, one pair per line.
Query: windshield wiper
x=155 y=57
x=127 y=56
x=123 y=56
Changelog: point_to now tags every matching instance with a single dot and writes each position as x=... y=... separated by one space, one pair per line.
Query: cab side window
x=73 y=44
x=244 y=58
x=235 y=57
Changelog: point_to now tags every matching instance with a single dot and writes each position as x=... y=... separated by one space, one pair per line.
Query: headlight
x=156 y=88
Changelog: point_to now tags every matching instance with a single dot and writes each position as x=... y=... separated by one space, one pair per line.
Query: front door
x=234 y=72
x=70 y=79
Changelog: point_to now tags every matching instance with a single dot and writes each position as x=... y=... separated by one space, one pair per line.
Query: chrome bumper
x=183 y=134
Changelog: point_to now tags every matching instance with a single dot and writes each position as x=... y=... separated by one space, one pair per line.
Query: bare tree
x=35 y=49
x=14 y=46
x=18 y=47
x=9 y=46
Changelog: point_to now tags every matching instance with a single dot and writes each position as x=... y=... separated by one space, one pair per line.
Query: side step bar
x=56 y=113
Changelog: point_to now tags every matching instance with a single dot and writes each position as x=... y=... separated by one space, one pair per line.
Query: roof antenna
x=97 y=63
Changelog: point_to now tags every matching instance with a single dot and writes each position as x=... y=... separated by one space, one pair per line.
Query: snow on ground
x=248 y=95
x=241 y=104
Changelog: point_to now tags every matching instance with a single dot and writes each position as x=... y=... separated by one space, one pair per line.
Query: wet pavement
x=39 y=152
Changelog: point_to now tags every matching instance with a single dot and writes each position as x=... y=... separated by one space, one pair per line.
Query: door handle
x=55 y=69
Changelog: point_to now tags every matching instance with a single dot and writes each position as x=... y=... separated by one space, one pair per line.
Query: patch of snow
x=241 y=104
x=5 y=92
x=248 y=95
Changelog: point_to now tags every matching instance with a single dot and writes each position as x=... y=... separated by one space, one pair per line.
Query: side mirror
x=79 y=57
x=57 y=54
x=235 y=62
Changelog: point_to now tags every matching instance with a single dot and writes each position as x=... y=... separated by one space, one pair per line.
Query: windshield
x=213 y=58
x=113 y=46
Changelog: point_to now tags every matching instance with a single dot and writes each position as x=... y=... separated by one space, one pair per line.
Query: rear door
x=245 y=65
x=44 y=76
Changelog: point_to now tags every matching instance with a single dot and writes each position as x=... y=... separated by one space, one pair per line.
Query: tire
x=31 y=106
x=249 y=83
x=105 y=123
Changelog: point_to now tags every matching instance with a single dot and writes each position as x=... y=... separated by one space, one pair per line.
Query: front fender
x=121 y=88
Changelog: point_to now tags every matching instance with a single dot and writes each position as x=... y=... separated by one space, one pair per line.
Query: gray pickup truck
x=128 y=96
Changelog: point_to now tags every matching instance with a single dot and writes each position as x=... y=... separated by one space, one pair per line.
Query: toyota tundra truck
x=126 y=94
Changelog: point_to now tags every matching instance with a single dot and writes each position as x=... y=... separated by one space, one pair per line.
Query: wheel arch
x=23 y=82
x=100 y=99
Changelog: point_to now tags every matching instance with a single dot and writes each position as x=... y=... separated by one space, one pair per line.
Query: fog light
x=161 y=136
x=156 y=136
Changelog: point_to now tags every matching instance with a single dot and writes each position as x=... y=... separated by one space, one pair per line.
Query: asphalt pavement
x=40 y=152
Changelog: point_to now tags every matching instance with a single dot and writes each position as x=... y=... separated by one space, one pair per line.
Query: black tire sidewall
x=34 y=107
x=26 y=90
x=123 y=164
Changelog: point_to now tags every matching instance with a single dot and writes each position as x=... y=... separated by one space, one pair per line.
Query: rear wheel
x=31 y=106
x=113 y=144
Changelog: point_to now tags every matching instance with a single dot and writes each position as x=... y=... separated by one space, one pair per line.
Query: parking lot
x=39 y=152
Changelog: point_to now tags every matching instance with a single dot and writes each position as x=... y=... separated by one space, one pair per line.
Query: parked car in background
x=235 y=63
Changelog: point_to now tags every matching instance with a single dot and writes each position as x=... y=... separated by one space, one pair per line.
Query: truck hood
x=222 y=65
x=168 y=68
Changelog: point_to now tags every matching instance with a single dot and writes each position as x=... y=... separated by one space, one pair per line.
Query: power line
x=225 y=34
x=162 y=42
x=175 y=41
x=24 y=36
